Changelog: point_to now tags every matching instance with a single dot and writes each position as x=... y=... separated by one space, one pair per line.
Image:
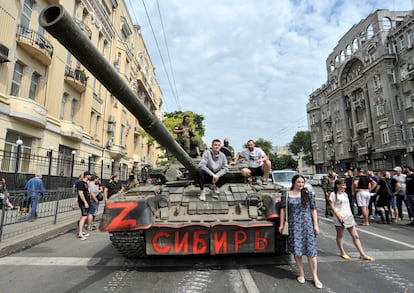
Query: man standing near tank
x=259 y=163
x=213 y=169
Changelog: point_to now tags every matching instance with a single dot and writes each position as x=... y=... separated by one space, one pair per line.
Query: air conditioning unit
x=4 y=54
x=410 y=149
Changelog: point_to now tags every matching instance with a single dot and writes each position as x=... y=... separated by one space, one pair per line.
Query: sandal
x=300 y=279
x=367 y=258
x=345 y=256
x=318 y=284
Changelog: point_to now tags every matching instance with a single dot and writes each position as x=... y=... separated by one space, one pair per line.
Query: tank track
x=129 y=244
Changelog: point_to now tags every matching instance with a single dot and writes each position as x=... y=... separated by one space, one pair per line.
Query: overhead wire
x=162 y=58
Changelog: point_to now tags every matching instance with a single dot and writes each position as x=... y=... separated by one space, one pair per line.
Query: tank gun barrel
x=57 y=21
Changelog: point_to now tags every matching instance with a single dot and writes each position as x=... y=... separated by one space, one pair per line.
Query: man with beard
x=259 y=163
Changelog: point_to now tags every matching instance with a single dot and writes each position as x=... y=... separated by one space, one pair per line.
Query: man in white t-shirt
x=259 y=163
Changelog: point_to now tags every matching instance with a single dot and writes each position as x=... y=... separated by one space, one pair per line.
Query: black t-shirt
x=82 y=185
x=113 y=188
x=409 y=184
x=363 y=182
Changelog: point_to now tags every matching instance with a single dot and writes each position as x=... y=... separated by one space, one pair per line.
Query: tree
x=284 y=162
x=265 y=145
x=302 y=143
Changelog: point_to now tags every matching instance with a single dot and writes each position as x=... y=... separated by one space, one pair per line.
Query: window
x=122 y=135
x=348 y=50
x=410 y=39
x=62 y=106
x=342 y=56
x=34 y=85
x=402 y=42
x=386 y=24
x=408 y=101
x=370 y=32
x=355 y=45
x=398 y=102
x=385 y=137
x=380 y=108
x=17 y=79
x=362 y=36
x=26 y=13
x=10 y=150
x=412 y=132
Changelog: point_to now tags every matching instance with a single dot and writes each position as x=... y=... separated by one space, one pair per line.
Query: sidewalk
x=19 y=236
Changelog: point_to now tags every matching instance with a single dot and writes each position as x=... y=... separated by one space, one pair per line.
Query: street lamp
x=112 y=166
x=50 y=155
x=72 y=163
x=19 y=143
x=102 y=167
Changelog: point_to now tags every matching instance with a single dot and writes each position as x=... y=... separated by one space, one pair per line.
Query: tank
x=168 y=218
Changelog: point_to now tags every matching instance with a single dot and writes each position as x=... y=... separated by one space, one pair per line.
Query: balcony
x=35 y=45
x=362 y=126
x=71 y=130
x=28 y=111
x=76 y=78
x=116 y=151
x=84 y=28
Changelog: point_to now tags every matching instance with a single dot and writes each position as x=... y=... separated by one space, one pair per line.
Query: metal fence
x=15 y=206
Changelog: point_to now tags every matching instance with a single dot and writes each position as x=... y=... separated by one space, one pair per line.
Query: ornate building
x=364 y=114
x=50 y=104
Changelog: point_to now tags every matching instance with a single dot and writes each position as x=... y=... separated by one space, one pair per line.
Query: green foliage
x=196 y=123
x=265 y=145
x=284 y=162
x=302 y=143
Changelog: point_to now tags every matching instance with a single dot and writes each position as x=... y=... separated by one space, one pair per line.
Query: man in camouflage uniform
x=185 y=135
x=328 y=186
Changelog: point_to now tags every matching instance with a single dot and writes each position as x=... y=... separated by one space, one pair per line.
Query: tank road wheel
x=129 y=244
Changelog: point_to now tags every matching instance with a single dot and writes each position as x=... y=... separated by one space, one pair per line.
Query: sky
x=247 y=66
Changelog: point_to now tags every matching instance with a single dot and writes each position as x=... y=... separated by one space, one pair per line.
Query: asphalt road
x=66 y=264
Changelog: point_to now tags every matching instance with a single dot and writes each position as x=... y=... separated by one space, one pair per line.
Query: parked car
x=317 y=179
x=284 y=178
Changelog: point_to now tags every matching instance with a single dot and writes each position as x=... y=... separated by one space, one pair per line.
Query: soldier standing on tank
x=213 y=169
x=132 y=181
x=185 y=135
x=229 y=148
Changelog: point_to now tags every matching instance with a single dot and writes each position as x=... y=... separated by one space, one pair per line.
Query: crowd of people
x=378 y=196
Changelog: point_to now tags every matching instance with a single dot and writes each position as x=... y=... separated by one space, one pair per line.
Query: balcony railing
x=76 y=78
x=362 y=126
x=35 y=44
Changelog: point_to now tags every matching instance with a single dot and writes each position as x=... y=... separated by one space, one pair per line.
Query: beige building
x=364 y=114
x=49 y=104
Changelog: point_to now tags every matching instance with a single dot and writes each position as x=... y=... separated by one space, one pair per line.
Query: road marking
x=377 y=235
x=248 y=280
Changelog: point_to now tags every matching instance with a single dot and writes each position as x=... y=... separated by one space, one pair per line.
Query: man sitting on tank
x=185 y=135
x=259 y=163
x=212 y=169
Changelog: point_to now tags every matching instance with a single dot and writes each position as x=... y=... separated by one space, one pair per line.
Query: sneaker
x=82 y=237
x=202 y=195
x=85 y=234
x=90 y=228
x=216 y=190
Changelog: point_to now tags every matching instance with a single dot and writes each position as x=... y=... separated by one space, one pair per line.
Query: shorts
x=393 y=202
x=93 y=208
x=256 y=171
x=363 y=198
x=84 y=211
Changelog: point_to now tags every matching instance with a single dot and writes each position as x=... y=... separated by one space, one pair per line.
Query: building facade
x=364 y=115
x=51 y=105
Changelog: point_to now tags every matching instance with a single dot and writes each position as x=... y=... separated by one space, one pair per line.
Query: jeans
x=35 y=203
x=410 y=203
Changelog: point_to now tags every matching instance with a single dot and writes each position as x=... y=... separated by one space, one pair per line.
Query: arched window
x=348 y=50
x=355 y=45
x=370 y=31
x=386 y=24
x=342 y=56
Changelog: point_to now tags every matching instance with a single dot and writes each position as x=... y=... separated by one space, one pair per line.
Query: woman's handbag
x=285 y=230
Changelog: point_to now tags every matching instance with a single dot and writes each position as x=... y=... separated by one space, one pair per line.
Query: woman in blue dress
x=303 y=227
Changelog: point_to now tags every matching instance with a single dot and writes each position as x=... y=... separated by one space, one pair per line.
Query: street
x=65 y=264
